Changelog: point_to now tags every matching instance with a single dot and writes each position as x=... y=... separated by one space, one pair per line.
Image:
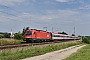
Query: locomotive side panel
x=43 y=35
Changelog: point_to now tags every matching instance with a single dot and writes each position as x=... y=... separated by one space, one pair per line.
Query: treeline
x=19 y=35
x=4 y=35
x=65 y=33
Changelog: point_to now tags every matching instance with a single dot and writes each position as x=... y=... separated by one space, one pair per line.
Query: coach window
x=57 y=36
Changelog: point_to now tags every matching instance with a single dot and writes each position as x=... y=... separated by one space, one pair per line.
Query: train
x=34 y=35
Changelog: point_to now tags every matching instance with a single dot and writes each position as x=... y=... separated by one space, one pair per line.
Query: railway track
x=29 y=44
x=25 y=44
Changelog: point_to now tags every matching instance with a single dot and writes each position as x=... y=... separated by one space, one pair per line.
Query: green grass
x=20 y=54
x=82 y=54
x=6 y=42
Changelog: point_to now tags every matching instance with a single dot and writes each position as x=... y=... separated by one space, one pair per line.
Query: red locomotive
x=37 y=35
x=34 y=35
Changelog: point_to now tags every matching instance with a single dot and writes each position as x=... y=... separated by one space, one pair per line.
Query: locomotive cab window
x=29 y=33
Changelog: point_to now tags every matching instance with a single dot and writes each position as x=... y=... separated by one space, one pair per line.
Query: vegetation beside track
x=82 y=54
x=86 y=39
x=8 y=42
x=20 y=54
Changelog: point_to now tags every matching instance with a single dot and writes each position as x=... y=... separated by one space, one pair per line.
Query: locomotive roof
x=37 y=30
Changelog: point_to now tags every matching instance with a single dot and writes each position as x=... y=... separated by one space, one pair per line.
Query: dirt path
x=57 y=55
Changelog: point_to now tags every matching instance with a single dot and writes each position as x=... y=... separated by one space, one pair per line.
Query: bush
x=7 y=35
x=18 y=36
x=86 y=39
x=1 y=36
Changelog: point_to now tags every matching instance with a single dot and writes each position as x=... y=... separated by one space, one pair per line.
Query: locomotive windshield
x=28 y=33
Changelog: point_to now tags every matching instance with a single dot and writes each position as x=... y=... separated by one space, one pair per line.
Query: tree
x=59 y=32
x=7 y=35
x=86 y=39
x=73 y=34
x=24 y=30
x=18 y=36
x=1 y=36
x=62 y=33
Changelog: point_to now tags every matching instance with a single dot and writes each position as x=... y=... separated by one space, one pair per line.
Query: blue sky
x=62 y=15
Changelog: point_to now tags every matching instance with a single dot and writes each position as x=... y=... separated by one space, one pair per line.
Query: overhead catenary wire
x=16 y=11
x=37 y=23
x=11 y=8
x=18 y=17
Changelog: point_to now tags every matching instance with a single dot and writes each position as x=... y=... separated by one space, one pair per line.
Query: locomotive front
x=28 y=35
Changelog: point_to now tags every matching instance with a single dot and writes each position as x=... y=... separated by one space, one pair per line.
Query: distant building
x=12 y=34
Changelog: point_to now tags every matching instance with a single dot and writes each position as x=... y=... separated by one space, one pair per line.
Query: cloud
x=64 y=19
x=56 y=16
x=62 y=0
x=49 y=2
x=34 y=0
x=10 y=2
x=71 y=1
x=81 y=1
x=51 y=15
x=61 y=14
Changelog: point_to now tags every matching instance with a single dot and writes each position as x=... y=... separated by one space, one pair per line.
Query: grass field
x=82 y=54
x=6 y=42
x=19 y=54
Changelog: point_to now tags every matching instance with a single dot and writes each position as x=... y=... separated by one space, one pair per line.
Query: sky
x=57 y=15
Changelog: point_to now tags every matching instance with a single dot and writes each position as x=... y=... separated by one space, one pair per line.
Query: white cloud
x=34 y=0
x=71 y=1
x=80 y=1
x=56 y=18
x=76 y=2
x=62 y=0
x=61 y=14
x=49 y=2
x=65 y=16
x=10 y=2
